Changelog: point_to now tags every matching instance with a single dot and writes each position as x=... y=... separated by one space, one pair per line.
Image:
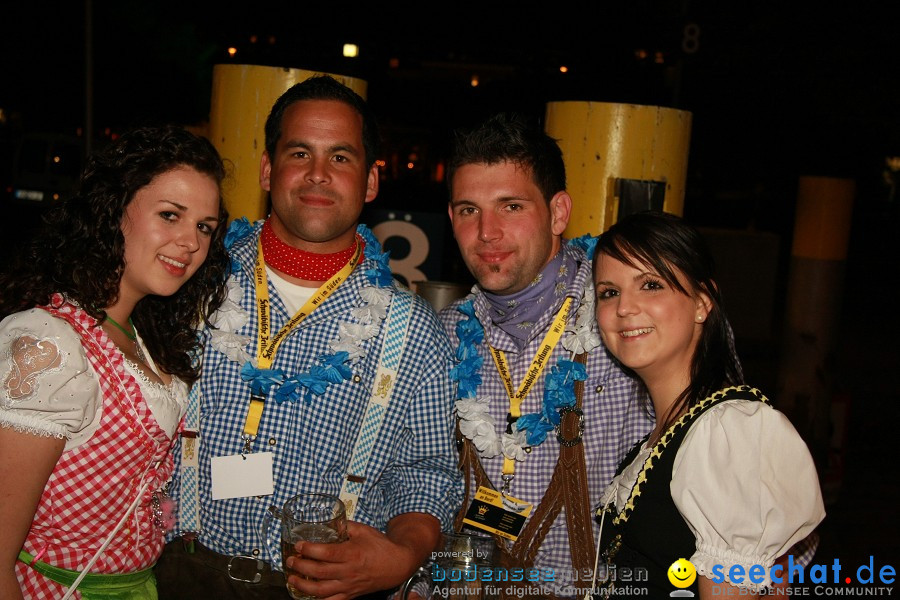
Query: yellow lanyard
x=537 y=365
x=266 y=347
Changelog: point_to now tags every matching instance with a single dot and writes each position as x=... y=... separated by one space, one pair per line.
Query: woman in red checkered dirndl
x=101 y=313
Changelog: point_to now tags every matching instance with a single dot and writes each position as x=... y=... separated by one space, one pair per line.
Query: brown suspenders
x=568 y=488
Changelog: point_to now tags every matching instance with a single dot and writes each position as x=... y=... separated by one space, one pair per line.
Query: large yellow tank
x=242 y=96
x=603 y=142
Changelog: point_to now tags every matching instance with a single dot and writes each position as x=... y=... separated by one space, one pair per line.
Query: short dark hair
x=80 y=252
x=324 y=87
x=665 y=243
x=510 y=137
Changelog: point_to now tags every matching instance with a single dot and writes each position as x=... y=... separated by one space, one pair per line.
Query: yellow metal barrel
x=604 y=142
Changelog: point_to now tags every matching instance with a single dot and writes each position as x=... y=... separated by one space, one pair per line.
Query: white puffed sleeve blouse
x=745 y=483
x=48 y=387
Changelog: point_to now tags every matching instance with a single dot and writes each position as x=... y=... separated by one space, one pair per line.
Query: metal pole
x=818 y=257
x=88 y=77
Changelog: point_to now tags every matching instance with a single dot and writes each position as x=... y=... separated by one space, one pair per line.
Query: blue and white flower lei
x=347 y=348
x=475 y=421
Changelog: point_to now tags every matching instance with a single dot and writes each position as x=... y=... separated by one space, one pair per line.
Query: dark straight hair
x=666 y=244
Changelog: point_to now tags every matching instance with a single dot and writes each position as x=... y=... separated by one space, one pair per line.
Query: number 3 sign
x=414 y=239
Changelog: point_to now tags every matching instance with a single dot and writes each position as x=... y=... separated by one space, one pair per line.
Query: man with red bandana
x=314 y=329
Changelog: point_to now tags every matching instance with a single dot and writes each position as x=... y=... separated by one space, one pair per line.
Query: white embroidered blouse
x=50 y=389
x=745 y=483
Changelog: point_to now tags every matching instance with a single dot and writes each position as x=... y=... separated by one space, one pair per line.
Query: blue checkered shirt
x=615 y=414
x=413 y=466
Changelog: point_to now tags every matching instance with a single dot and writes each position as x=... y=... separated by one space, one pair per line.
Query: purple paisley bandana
x=516 y=314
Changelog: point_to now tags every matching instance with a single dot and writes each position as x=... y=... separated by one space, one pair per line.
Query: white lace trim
x=31 y=424
x=138 y=372
x=706 y=556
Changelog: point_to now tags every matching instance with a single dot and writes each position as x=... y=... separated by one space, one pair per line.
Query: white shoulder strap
x=393 y=344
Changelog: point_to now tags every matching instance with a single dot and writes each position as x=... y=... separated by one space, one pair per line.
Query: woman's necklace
x=131 y=335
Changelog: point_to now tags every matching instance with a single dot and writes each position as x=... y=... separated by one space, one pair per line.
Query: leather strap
x=246 y=569
x=568 y=488
x=579 y=516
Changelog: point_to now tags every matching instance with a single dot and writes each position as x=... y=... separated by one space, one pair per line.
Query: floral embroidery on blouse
x=28 y=358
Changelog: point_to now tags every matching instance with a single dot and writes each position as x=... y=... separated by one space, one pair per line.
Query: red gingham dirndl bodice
x=93 y=485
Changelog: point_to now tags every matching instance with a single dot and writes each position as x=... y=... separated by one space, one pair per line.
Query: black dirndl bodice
x=642 y=541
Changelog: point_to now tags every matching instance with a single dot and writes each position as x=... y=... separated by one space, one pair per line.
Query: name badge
x=498 y=514
x=242 y=476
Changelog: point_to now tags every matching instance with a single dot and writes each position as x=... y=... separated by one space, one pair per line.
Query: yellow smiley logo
x=682 y=573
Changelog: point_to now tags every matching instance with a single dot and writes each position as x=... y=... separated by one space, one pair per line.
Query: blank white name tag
x=240 y=476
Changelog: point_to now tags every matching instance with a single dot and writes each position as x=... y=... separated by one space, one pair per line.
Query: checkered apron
x=93 y=485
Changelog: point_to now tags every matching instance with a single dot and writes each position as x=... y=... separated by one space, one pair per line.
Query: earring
x=699 y=318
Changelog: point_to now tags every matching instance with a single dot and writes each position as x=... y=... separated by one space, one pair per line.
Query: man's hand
x=369 y=561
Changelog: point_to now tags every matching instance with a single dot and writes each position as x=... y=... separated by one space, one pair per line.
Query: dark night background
x=777 y=90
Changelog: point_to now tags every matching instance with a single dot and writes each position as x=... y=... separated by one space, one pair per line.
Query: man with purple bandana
x=545 y=414
x=509 y=208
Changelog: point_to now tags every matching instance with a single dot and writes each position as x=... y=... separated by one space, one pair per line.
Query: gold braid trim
x=666 y=437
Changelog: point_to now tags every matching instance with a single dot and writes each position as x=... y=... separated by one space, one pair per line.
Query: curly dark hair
x=665 y=243
x=80 y=249
x=510 y=137
x=324 y=87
